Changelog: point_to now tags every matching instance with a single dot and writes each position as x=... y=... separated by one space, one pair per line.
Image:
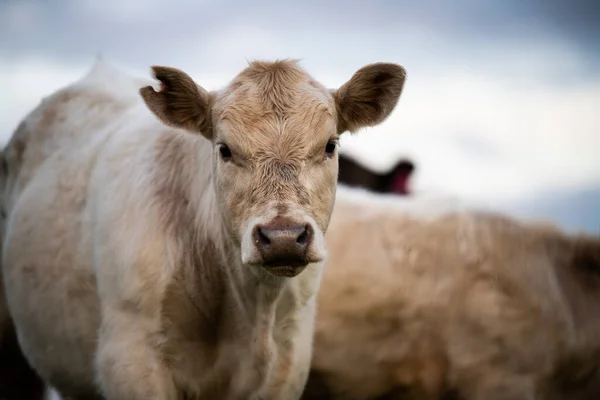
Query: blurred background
x=501 y=107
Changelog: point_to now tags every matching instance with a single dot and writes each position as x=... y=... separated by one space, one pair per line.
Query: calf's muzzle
x=283 y=244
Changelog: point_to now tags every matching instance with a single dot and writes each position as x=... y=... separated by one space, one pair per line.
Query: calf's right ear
x=180 y=103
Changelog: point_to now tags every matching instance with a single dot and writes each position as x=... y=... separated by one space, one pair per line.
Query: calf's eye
x=330 y=148
x=225 y=152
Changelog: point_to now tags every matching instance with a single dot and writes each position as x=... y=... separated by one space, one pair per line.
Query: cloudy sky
x=501 y=106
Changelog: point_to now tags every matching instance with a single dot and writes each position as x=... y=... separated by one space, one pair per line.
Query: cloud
x=136 y=29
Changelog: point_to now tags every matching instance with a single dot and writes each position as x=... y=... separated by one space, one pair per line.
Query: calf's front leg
x=128 y=365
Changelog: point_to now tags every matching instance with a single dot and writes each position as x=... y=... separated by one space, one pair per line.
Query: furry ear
x=370 y=96
x=180 y=103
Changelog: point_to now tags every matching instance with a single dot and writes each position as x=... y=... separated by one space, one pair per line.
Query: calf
x=171 y=247
x=431 y=300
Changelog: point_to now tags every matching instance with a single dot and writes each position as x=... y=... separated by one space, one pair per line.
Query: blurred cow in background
x=397 y=180
x=427 y=299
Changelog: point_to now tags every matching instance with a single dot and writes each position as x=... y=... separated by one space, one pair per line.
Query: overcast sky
x=501 y=105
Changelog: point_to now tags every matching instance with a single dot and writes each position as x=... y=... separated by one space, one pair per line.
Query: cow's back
x=68 y=120
x=439 y=296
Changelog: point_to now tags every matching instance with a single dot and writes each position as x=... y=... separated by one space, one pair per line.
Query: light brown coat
x=426 y=299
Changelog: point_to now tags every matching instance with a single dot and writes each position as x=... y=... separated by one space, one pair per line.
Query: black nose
x=282 y=244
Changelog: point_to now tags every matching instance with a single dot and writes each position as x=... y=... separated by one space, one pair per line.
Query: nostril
x=261 y=238
x=304 y=237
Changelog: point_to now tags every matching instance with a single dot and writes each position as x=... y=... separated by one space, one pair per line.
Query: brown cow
x=177 y=254
x=432 y=300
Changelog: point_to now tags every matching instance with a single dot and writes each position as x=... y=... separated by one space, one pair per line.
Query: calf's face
x=274 y=132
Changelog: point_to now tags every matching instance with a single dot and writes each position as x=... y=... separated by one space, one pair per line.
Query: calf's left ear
x=180 y=103
x=370 y=96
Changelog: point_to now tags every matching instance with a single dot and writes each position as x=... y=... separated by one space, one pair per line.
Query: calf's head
x=274 y=131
